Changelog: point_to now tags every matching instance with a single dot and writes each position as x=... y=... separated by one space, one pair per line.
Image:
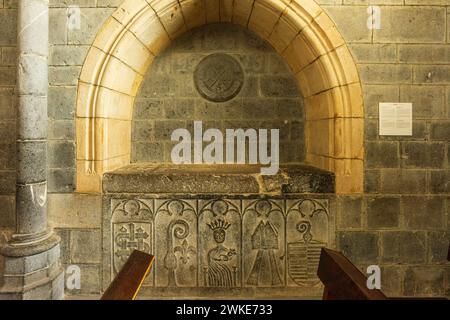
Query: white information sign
x=395 y=119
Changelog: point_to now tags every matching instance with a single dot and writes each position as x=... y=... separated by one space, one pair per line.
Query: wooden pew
x=127 y=283
x=342 y=280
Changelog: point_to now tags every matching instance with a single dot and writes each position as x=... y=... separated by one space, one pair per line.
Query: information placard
x=395 y=119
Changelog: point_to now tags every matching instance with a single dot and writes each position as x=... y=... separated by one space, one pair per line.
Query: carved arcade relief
x=223 y=242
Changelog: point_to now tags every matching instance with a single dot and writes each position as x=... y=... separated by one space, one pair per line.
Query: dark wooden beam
x=342 y=280
x=127 y=283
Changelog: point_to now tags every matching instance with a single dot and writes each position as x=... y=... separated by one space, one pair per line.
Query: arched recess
x=299 y=30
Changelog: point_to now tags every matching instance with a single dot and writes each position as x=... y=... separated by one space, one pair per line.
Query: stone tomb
x=219 y=231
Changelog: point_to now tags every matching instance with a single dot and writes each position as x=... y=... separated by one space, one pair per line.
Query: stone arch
x=300 y=31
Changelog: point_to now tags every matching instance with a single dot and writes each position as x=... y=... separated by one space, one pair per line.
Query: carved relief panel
x=223 y=243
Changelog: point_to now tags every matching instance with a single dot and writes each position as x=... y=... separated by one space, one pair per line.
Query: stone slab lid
x=216 y=179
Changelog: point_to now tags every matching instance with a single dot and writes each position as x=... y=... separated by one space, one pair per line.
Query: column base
x=32 y=271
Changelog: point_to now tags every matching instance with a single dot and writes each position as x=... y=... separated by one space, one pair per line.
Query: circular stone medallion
x=218 y=77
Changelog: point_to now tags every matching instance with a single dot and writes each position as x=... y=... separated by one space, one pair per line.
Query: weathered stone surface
x=169 y=99
x=350 y=212
x=164 y=128
x=8 y=131
x=31 y=117
x=9 y=56
x=303 y=179
x=425 y=281
x=428 y=102
x=57 y=289
x=383 y=212
x=148 y=109
x=403 y=181
x=355 y=29
x=439 y=181
x=74 y=210
x=66 y=76
x=8 y=19
x=143 y=131
x=7 y=109
x=359 y=246
x=438 y=74
x=31 y=212
x=374 y=52
x=424 y=213
x=415 y=53
x=31 y=162
x=23 y=265
x=66 y=3
x=403 y=247
x=276 y=66
x=374 y=94
x=7 y=212
x=7 y=181
x=372 y=181
x=91 y=21
x=392 y=280
x=85 y=246
x=371 y=129
x=58 y=22
x=61 y=154
x=438 y=246
x=64 y=235
x=67 y=55
x=382 y=154
x=240 y=179
x=147 y=152
x=7 y=156
x=7 y=76
x=278 y=86
x=61 y=130
x=411 y=25
x=29 y=41
x=61 y=102
x=423 y=155
x=61 y=180
x=385 y=73
x=180 y=109
x=440 y=130
x=193 y=230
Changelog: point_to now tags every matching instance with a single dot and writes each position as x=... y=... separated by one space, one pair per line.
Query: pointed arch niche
x=300 y=31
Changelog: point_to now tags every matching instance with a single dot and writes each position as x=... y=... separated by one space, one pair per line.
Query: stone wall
x=8 y=25
x=402 y=220
x=167 y=100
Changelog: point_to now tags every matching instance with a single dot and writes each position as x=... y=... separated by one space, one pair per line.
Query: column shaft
x=31 y=145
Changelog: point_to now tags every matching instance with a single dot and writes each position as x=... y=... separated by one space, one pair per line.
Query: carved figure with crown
x=219 y=273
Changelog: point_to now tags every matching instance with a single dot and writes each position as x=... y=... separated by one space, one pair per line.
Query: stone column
x=32 y=268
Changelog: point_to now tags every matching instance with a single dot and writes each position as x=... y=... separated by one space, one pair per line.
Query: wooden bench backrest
x=127 y=283
x=342 y=280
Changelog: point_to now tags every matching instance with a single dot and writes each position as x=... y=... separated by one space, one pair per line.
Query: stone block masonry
x=407 y=60
x=31 y=254
x=269 y=97
x=403 y=219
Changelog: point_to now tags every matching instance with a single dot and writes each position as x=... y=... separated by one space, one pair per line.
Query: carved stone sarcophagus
x=217 y=232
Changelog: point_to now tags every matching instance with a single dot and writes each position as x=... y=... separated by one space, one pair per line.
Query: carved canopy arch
x=300 y=31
